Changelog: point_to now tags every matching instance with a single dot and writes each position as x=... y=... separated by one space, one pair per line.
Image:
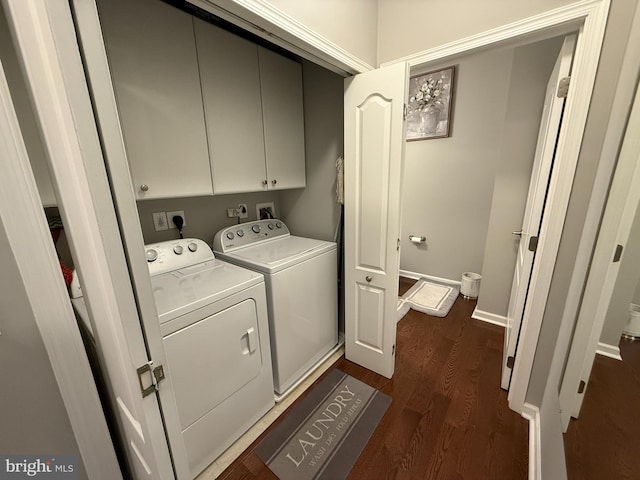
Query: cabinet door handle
x=273 y=182
x=264 y=182
x=144 y=187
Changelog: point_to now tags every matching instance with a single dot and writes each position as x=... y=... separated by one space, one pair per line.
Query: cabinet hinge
x=563 y=87
x=404 y=112
x=149 y=378
x=511 y=361
x=618 y=253
x=533 y=244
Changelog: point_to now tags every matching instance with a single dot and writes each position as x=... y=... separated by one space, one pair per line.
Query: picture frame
x=429 y=105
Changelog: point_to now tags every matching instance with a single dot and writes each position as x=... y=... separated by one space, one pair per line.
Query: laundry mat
x=429 y=297
x=322 y=437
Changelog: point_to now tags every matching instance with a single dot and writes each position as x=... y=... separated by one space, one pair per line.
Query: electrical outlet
x=242 y=211
x=160 y=221
x=179 y=213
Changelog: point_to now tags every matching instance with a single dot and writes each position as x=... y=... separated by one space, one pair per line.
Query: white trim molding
x=611 y=351
x=418 y=276
x=266 y=21
x=532 y=413
x=554 y=22
x=488 y=317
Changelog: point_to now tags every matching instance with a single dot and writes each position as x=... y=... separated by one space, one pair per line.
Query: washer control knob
x=178 y=249
x=240 y=233
x=256 y=229
x=230 y=235
x=272 y=226
x=193 y=246
x=152 y=255
x=278 y=225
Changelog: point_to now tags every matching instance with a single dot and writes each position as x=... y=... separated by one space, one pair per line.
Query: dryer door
x=213 y=358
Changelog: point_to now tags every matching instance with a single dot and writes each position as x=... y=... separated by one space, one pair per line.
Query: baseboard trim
x=418 y=276
x=611 y=351
x=488 y=317
x=532 y=413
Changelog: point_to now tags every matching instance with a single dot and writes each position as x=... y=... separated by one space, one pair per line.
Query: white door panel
x=374 y=148
x=540 y=174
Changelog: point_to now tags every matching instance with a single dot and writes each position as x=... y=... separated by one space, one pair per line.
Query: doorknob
x=517 y=234
x=368 y=278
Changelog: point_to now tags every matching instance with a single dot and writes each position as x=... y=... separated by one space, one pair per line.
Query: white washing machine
x=302 y=293
x=213 y=319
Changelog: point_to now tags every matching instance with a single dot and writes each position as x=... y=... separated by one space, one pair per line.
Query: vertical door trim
x=23 y=218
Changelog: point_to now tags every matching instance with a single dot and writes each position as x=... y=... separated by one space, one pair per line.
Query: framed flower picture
x=429 y=105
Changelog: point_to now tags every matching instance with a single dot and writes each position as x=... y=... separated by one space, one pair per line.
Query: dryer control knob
x=278 y=225
x=256 y=229
x=230 y=235
x=240 y=233
x=272 y=226
x=178 y=249
x=152 y=255
x=193 y=246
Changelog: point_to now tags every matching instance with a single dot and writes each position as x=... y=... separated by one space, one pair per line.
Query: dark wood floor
x=604 y=443
x=449 y=419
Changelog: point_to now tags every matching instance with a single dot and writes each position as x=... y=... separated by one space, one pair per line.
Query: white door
x=543 y=161
x=373 y=163
x=48 y=48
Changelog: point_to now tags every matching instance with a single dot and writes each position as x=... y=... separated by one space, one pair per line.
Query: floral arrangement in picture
x=429 y=105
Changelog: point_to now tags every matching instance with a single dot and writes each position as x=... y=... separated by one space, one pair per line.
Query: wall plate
x=265 y=210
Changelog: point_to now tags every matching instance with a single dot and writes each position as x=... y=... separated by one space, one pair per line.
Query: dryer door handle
x=252 y=340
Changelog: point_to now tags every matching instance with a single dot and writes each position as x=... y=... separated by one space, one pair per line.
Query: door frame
x=587 y=324
x=23 y=217
x=48 y=51
x=589 y=19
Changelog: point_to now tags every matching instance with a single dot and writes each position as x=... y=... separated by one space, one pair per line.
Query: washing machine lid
x=184 y=290
x=278 y=254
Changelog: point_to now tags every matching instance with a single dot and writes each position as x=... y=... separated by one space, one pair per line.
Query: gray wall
x=448 y=182
x=409 y=26
x=532 y=65
x=34 y=418
x=616 y=36
x=313 y=211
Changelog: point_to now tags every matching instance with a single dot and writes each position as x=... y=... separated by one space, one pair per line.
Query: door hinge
x=398 y=245
x=511 y=361
x=563 y=87
x=404 y=112
x=581 y=386
x=533 y=244
x=149 y=378
x=618 y=253
x=393 y=350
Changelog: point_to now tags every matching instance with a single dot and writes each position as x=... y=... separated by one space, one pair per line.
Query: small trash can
x=632 y=329
x=470 y=285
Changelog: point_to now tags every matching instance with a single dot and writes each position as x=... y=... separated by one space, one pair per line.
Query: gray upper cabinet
x=233 y=109
x=203 y=111
x=282 y=110
x=152 y=56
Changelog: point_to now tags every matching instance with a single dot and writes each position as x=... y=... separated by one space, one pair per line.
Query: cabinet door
x=231 y=94
x=281 y=81
x=152 y=56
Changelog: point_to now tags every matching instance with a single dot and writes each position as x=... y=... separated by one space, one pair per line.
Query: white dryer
x=302 y=293
x=213 y=319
